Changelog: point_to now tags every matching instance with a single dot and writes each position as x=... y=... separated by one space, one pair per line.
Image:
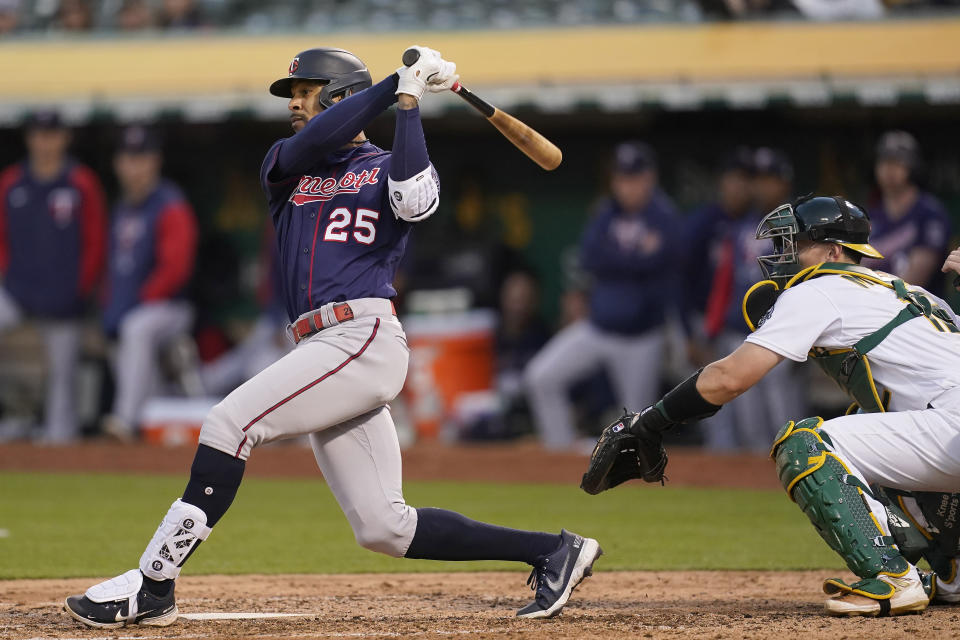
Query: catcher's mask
x=818 y=219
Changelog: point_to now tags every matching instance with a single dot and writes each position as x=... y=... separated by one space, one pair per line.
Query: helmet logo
x=294 y=65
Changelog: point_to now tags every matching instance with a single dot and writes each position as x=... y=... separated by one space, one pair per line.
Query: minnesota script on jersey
x=337 y=235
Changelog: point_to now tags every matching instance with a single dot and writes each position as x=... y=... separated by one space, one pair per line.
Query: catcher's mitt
x=626 y=450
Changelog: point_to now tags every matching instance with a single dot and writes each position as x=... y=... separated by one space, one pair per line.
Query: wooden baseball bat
x=532 y=143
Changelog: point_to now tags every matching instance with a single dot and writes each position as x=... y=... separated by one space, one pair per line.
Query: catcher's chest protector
x=850 y=367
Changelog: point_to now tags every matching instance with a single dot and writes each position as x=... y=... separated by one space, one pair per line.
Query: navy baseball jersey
x=152 y=251
x=926 y=225
x=337 y=235
x=630 y=258
x=52 y=237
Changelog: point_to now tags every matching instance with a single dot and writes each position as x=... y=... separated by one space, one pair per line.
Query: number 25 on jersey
x=364 y=228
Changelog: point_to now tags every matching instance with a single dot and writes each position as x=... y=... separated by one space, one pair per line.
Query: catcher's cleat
x=908 y=596
x=556 y=575
x=123 y=601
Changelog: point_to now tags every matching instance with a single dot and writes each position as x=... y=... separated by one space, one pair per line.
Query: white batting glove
x=445 y=78
x=430 y=68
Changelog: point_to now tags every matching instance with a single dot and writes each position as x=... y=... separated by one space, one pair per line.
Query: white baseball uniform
x=916 y=446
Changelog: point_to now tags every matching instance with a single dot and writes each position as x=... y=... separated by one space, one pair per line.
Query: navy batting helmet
x=339 y=70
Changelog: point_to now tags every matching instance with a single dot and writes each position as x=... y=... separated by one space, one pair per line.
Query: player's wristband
x=684 y=402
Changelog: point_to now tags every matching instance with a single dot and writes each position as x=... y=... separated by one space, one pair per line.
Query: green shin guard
x=817 y=480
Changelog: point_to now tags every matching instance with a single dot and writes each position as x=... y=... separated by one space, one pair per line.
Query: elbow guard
x=415 y=198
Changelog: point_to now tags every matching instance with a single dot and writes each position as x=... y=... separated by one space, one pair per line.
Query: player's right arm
x=799 y=318
x=632 y=447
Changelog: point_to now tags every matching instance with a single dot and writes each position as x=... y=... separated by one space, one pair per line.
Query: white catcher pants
x=908 y=450
x=334 y=386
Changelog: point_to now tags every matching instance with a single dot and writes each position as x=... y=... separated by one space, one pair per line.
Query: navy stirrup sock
x=446 y=535
x=214 y=479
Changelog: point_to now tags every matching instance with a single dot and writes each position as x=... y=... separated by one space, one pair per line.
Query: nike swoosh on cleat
x=119 y=617
x=558 y=585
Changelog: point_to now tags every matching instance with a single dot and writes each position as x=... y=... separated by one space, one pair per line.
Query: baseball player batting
x=343 y=209
x=870 y=332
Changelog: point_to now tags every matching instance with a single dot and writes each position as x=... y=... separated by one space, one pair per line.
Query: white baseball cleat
x=908 y=596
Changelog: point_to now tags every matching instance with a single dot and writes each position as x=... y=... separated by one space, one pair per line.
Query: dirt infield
x=694 y=605
x=689 y=605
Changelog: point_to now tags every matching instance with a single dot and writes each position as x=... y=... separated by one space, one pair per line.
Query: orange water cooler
x=451 y=356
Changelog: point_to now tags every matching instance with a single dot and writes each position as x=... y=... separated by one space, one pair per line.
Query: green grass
x=61 y=525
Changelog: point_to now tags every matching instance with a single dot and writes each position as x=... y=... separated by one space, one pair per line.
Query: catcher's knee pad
x=183 y=528
x=821 y=485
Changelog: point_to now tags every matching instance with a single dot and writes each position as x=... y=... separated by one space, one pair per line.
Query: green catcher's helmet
x=818 y=219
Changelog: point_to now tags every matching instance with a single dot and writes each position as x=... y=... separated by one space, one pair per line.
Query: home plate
x=242 y=616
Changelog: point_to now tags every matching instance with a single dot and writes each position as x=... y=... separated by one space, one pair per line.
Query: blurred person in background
x=725 y=233
x=626 y=248
x=709 y=233
x=910 y=226
x=75 y=15
x=739 y=9
x=521 y=333
x=180 y=14
x=9 y=16
x=153 y=241
x=52 y=238
x=135 y=15
x=266 y=341
x=841 y=9
x=772 y=179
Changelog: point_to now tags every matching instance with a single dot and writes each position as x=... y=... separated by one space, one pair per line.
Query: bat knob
x=410 y=56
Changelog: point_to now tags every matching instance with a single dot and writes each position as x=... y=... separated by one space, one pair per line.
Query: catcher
x=895 y=349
